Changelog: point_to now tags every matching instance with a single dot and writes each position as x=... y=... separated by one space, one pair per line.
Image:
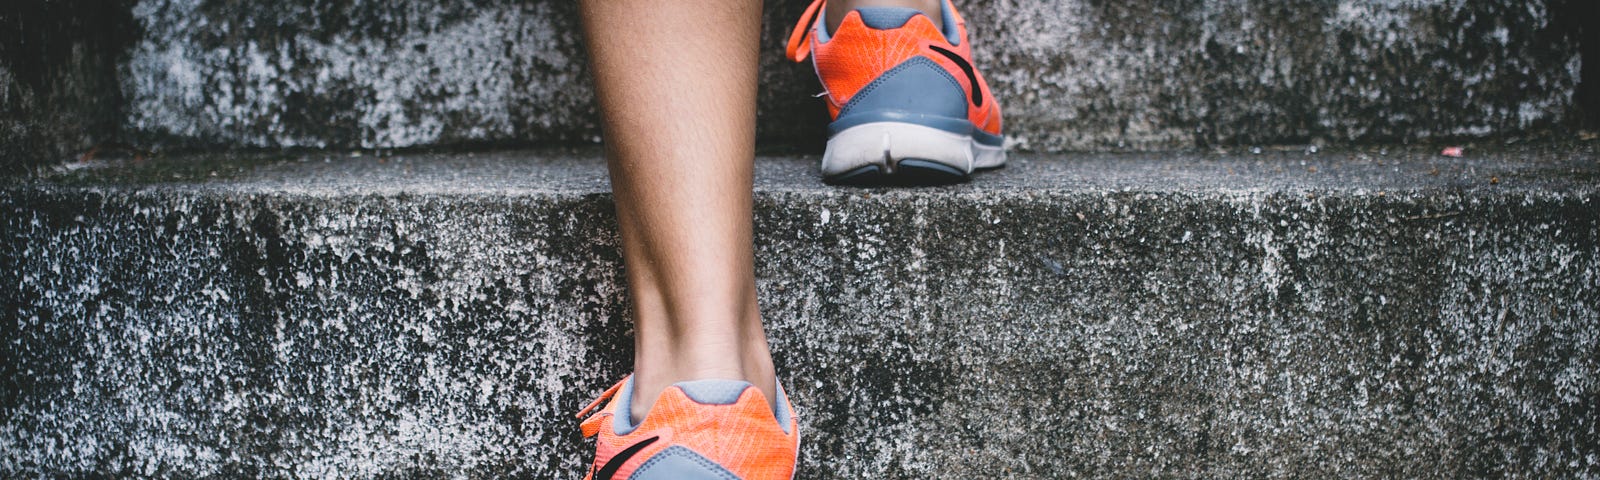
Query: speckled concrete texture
x=1379 y=314
x=363 y=73
x=1072 y=74
x=1142 y=74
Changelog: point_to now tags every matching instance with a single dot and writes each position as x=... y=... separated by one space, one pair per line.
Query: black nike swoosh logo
x=972 y=76
x=616 y=462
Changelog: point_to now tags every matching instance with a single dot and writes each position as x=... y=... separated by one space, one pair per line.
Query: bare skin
x=836 y=10
x=679 y=106
x=678 y=101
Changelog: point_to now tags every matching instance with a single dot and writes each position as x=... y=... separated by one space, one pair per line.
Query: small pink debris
x=1451 y=152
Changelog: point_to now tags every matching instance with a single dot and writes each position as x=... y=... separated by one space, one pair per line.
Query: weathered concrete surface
x=1277 y=315
x=1072 y=74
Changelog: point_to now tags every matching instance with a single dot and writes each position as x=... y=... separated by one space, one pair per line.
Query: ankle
x=837 y=9
x=661 y=366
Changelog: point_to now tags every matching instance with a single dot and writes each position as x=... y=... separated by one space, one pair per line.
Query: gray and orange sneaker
x=703 y=429
x=906 y=102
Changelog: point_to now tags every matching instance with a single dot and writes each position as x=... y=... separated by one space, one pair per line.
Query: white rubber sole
x=885 y=145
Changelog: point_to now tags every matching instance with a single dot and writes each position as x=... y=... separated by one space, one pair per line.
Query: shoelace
x=591 y=425
x=800 y=38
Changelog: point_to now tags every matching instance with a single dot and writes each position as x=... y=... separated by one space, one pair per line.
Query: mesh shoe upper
x=695 y=430
x=868 y=44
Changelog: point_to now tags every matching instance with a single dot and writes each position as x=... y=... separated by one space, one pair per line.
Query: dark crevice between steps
x=1586 y=13
x=1580 y=20
x=58 y=71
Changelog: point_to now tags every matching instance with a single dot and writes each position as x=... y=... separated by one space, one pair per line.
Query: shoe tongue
x=713 y=392
x=886 y=18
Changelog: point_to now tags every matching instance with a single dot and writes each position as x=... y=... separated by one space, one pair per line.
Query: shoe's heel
x=909 y=126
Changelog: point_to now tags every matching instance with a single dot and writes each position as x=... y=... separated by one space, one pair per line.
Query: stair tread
x=582 y=171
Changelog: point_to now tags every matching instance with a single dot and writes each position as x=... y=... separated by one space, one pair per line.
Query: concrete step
x=1283 y=314
x=1071 y=74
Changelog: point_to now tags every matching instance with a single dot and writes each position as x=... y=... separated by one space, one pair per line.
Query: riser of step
x=1071 y=74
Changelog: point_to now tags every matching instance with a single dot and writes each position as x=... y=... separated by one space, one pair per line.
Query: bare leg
x=677 y=87
x=837 y=9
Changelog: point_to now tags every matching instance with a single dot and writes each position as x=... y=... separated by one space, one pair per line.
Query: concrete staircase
x=308 y=239
x=1283 y=314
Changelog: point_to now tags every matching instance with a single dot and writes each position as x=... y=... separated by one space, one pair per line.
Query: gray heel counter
x=918 y=86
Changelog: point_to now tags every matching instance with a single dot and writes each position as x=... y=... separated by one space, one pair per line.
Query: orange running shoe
x=907 y=104
x=703 y=429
